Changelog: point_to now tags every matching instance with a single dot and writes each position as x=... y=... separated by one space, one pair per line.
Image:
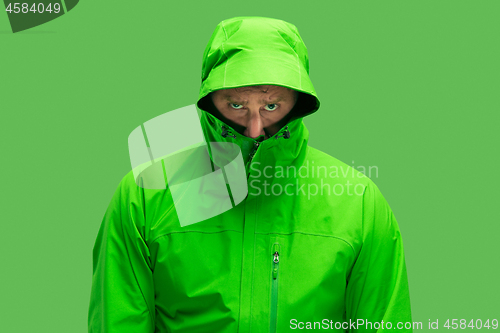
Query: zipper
x=255 y=147
x=252 y=153
x=274 y=287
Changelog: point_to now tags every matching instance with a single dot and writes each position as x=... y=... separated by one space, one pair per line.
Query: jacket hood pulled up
x=245 y=51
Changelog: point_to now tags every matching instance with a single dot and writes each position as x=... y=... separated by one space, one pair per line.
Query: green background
x=411 y=87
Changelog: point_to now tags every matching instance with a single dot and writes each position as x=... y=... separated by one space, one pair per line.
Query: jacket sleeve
x=122 y=293
x=377 y=288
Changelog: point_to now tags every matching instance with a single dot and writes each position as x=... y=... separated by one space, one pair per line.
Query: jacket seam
x=253 y=279
x=197 y=231
x=224 y=52
x=297 y=55
x=296 y=40
x=309 y=234
x=363 y=213
x=151 y=315
x=298 y=60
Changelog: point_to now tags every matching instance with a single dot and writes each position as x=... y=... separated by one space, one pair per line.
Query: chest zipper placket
x=252 y=154
x=274 y=287
x=255 y=147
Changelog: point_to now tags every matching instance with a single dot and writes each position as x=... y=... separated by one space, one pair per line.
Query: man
x=313 y=245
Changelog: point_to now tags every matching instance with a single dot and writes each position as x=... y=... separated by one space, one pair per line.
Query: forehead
x=266 y=91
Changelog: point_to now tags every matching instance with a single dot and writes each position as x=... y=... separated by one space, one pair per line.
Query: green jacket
x=314 y=244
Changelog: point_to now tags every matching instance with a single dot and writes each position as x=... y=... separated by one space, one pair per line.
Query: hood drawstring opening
x=286 y=134
x=225 y=133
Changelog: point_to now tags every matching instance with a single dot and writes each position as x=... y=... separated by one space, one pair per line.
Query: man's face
x=255 y=110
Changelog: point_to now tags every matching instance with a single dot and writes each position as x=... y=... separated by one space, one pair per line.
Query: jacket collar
x=286 y=147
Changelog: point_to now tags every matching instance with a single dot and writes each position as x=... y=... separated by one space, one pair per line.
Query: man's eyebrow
x=269 y=101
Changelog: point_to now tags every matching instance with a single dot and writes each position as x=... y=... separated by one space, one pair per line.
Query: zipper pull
x=276 y=259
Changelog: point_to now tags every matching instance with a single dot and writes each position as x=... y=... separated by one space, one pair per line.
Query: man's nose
x=254 y=126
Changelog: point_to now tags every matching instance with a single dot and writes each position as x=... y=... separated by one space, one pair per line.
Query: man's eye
x=274 y=107
x=233 y=106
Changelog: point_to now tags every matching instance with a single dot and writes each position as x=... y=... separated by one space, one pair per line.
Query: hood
x=244 y=51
